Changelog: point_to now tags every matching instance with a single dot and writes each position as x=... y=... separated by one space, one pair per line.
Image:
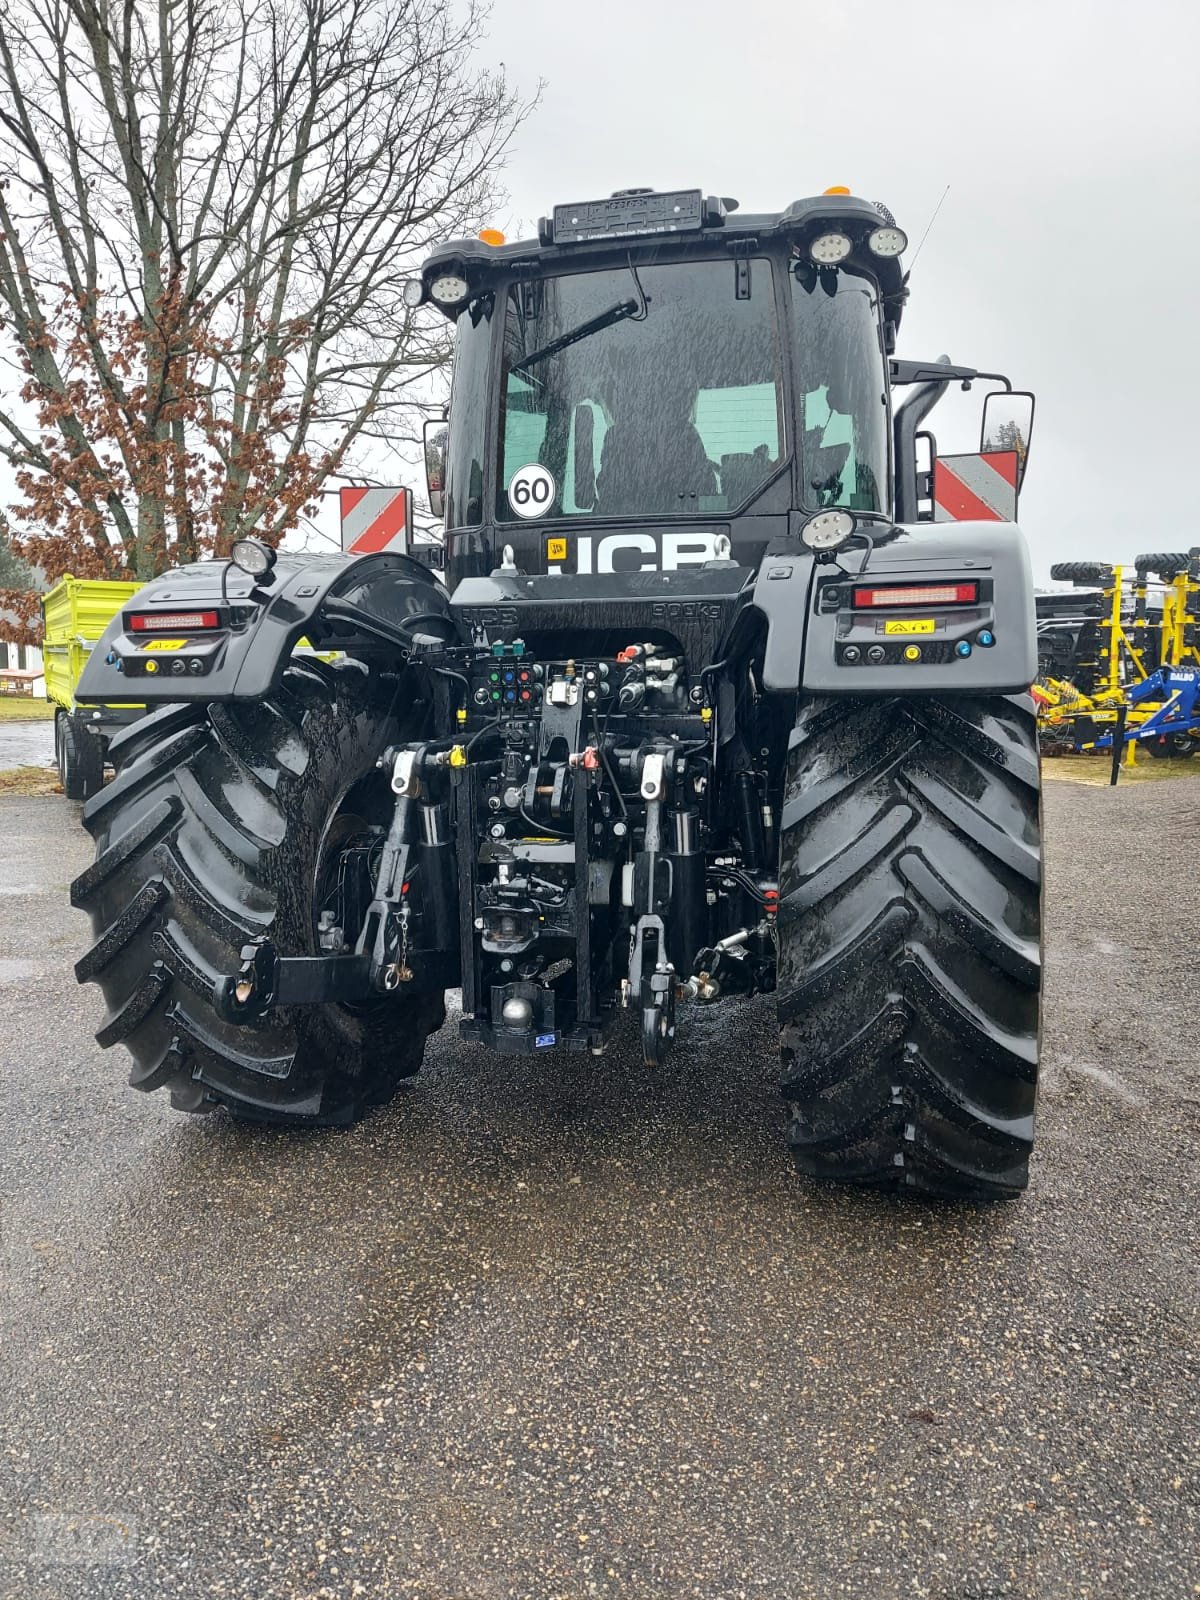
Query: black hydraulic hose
x=488 y=727
x=604 y=761
x=542 y=827
x=451 y=672
x=736 y=875
x=713 y=668
x=424 y=616
x=393 y=632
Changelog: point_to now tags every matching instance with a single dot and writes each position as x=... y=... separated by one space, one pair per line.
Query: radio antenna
x=928 y=225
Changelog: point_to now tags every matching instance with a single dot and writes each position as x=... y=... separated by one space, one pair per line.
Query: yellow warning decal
x=556 y=549
x=910 y=625
x=164 y=644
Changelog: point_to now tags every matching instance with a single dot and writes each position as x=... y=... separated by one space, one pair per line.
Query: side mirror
x=436 y=435
x=1008 y=424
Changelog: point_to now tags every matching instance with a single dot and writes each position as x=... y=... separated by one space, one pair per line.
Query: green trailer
x=76 y=612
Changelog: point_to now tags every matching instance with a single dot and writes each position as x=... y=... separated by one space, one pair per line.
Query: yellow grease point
x=458 y=756
x=705 y=713
x=461 y=714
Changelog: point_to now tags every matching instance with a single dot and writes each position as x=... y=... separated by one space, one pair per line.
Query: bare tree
x=207 y=212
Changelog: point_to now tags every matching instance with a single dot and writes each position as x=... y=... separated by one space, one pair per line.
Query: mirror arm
x=910 y=414
x=903 y=372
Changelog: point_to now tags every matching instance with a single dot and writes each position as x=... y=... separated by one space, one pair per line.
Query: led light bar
x=173 y=621
x=919 y=594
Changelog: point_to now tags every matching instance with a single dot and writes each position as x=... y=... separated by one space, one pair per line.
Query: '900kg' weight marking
x=655 y=552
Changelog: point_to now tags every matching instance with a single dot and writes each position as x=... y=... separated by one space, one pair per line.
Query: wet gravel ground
x=26 y=744
x=552 y=1329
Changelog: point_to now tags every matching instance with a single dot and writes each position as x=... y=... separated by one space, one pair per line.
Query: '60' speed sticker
x=531 y=491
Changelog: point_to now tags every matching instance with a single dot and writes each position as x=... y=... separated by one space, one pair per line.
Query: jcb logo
x=640 y=552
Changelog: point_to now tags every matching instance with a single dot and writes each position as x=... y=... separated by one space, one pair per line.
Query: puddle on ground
x=26 y=744
x=14 y=971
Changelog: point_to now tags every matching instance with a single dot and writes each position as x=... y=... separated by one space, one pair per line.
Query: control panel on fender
x=908 y=624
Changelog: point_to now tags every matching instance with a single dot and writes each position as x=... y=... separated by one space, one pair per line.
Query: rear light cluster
x=919 y=594
x=173 y=621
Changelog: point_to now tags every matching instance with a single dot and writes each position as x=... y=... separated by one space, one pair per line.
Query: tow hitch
x=395 y=940
x=267 y=980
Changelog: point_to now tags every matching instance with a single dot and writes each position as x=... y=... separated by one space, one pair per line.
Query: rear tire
x=909 y=943
x=209 y=838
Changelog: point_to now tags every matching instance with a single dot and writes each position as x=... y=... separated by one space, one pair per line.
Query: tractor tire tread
x=1082 y=572
x=910 y=961
x=203 y=840
x=1165 y=563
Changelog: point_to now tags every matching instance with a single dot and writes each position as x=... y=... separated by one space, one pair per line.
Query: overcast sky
x=1067 y=252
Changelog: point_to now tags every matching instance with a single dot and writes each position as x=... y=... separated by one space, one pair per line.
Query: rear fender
x=244 y=656
x=813 y=622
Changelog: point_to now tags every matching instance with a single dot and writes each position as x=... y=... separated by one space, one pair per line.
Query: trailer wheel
x=909 y=943
x=1171 y=746
x=218 y=831
x=79 y=758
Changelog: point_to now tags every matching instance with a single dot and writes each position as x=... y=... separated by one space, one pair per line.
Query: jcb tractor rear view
x=719 y=693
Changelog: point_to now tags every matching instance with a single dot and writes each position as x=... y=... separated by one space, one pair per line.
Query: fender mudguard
x=819 y=641
x=219 y=636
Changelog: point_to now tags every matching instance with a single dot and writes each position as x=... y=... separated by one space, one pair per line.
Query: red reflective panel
x=919 y=594
x=172 y=621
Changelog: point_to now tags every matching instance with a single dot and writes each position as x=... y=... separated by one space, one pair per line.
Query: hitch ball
x=517 y=1013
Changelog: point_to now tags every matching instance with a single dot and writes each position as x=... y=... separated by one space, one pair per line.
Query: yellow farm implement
x=1117 y=660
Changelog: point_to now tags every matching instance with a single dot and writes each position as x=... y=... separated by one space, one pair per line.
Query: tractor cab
x=657 y=371
x=656 y=374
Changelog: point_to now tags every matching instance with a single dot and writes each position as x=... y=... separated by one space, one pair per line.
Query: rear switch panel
x=883 y=634
x=881 y=624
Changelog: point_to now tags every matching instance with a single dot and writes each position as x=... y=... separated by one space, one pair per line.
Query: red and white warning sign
x=375 y=520
x=978 y=488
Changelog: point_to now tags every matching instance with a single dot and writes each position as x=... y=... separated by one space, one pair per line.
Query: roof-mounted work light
x=449 y=289
x=827 y=249
x=887 y=242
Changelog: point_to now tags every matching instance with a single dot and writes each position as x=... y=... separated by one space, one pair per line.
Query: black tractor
x=709 y=700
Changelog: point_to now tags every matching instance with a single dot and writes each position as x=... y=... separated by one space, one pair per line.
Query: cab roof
x=658 y=223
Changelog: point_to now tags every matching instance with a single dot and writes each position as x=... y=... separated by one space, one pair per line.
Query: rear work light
x=919 y=594
x=173 y=621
